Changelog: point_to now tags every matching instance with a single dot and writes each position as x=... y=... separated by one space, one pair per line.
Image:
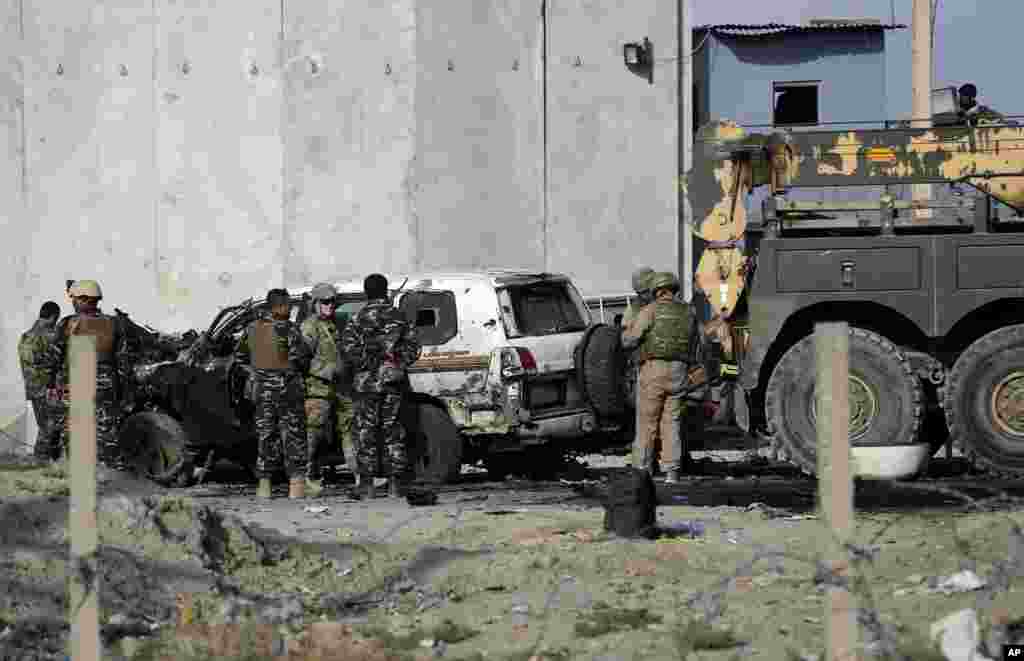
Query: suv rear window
x=543 y=308
x=433 y=314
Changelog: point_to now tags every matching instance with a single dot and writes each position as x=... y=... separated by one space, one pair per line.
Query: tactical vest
x=267 y=353
x=668 y=337
x=101 y=327
x=324 y=364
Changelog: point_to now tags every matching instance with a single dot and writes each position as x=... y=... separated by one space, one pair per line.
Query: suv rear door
x=547 y=317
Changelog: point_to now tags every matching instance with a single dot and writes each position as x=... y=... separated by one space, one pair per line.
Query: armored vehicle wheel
x=885 y=399
x=153 y=442
x=984 y=401
x=601 y=367
x=437 y=457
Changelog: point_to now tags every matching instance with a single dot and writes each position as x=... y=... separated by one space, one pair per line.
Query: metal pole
x=684 y=82
x=85 y=580
x=921 y=81
x=835 y=484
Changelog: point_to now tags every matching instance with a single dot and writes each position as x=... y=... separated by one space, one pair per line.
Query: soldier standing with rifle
x=661 y=331
x=325 y=402
x=381 y=345
x=274 y=348
x=32 y=353
x=114 y=363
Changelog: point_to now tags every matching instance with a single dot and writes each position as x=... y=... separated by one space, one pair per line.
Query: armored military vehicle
x=933 y=289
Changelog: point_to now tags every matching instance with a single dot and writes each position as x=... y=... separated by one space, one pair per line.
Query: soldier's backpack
x=630 y=504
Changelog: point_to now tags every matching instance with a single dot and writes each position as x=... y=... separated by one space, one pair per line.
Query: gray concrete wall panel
x=89 y=135
x=612 y=145
x=219 y=220
x=479 y=174
x=15 y=228
x=349 y=138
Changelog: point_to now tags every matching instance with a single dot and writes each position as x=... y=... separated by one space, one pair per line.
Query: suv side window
x=545 y=308
x=433 y=314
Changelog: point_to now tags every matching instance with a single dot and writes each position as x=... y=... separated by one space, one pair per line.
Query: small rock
x=812 y=620
x=521 y=610
x=785 y=631
x=427 y=642
x=914 y=579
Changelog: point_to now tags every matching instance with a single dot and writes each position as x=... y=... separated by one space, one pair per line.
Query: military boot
x=314 y=487
x=263 y=491
x=673 y=474
x=395 y=489
x=297 y=487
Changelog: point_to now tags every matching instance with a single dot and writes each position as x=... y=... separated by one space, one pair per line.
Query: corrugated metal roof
x=777 y=29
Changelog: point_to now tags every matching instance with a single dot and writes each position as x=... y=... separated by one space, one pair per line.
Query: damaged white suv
x=516 y=360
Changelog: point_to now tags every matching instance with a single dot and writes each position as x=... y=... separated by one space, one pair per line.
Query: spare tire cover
x=601 y=366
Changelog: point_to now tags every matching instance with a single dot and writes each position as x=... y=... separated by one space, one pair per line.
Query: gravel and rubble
x=511 y=570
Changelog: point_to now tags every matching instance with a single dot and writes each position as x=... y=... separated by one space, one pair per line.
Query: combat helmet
x=664 y=280
x=323 y=291
x=641 y=277
x=89 y=288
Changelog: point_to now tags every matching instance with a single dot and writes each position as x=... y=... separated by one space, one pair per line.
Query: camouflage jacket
x=112 y=370
x=321 y=335
x=286 y=338
x=381 y=345
x=32 y=354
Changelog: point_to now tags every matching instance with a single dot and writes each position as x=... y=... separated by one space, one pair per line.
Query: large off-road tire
x=886 y=402
x=153 y=442
x=984 y=402
x=435 y=440
x=601 y=366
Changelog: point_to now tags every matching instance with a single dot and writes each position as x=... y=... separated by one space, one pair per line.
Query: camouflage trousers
x=280 y=423
x=108 y=421
x=328 y=419
x=48 y=439
x=375 y=427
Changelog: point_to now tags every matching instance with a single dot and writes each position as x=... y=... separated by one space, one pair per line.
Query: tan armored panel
x=720 y=275
x=266 y=354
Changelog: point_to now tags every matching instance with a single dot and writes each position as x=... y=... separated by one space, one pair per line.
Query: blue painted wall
x=850 y=65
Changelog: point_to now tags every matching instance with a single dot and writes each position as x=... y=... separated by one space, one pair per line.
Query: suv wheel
x=886 y=401
x=153 y=442
x=601 y=369
x=437 y=443
x=984 y=401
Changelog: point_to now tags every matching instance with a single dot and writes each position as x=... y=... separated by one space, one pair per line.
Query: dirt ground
x=511 y=570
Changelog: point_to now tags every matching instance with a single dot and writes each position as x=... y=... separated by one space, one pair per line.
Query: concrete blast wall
x=189 y=154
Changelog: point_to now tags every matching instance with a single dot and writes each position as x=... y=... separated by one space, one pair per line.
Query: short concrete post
x=84 y=569
x=835 y=483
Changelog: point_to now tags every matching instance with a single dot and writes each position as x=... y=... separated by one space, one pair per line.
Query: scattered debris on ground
x=515 y=570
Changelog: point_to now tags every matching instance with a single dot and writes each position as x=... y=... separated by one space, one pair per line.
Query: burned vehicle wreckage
x=198 y=401
x=514 y=373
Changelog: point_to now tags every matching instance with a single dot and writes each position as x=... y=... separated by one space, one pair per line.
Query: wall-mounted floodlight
x=639 y=58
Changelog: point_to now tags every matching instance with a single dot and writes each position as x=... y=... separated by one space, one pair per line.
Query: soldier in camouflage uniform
x=662 y=332
x=381 y=345
x=274 y=347
x=324 y=401
x=33 y=348
x=114 y=364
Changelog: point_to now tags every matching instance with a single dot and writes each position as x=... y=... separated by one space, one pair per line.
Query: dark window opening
x=545 y=309
x=433 y=314
x=795 y=104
